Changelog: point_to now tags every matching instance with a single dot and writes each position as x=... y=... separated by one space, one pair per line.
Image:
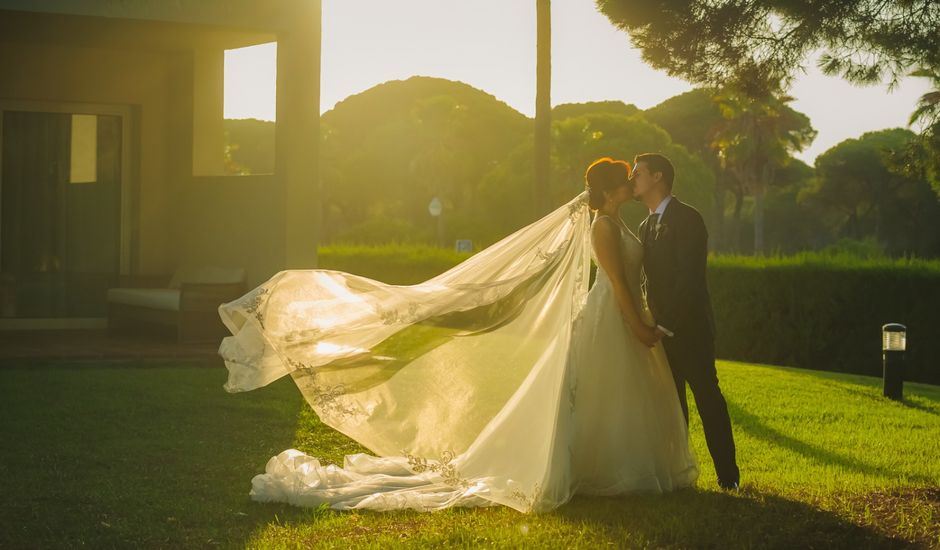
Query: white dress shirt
x=661 y=208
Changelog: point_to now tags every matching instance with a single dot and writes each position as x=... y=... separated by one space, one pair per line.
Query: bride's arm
x=606 y=239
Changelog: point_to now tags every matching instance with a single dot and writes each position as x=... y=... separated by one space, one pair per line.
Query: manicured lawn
x=156 y=454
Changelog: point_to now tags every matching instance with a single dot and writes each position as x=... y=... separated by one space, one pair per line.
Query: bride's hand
x=646 y=334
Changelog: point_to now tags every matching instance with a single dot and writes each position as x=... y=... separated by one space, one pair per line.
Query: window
x=250 y=105
x=234 y=93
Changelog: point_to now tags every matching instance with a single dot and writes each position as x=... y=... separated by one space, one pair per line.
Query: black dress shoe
x=728 y=485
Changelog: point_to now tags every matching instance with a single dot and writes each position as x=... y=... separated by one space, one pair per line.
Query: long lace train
x=458 y=385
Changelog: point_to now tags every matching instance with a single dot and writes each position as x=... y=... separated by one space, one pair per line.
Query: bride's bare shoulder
x=604 y=230
x=601 y=222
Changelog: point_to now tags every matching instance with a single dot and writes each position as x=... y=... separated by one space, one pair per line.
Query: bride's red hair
x=604 y=175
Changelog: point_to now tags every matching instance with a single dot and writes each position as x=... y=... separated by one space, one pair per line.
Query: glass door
x=60 y=213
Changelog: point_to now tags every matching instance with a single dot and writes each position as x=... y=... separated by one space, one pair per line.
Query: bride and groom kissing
x=674 y=251
x=506 y=380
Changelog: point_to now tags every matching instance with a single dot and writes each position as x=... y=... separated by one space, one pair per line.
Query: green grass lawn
x=156 y=454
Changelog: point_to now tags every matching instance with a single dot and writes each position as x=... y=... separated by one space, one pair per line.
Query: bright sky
x=490 y=44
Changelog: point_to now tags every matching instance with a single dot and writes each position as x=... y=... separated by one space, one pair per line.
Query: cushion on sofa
x=206 y=274
x=167 y=299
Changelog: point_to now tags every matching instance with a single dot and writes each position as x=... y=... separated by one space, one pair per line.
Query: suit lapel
x=661 y=221
x=645 y=233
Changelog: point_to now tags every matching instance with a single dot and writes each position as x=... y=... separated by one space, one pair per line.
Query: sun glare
x=251 y=82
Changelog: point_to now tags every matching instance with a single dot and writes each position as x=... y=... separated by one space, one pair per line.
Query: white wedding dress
x=500 y=381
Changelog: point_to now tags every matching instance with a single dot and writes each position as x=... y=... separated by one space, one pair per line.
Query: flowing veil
x=459 y=385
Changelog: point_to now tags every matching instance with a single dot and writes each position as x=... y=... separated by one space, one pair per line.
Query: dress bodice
x=631 y=254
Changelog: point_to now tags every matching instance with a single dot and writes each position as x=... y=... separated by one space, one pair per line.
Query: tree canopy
x=691 y=118
x=387 y=151
x=753 y=42
x=863 y=196
x=576 y=141
x=569 y=110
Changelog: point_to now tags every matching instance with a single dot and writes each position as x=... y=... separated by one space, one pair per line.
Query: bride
x=501 y=381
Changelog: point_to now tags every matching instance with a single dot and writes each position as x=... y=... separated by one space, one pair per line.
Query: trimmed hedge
x=826 y=312
x=396 y=264
x=814 y=311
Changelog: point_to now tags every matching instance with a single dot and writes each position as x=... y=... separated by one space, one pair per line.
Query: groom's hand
x=663 y=331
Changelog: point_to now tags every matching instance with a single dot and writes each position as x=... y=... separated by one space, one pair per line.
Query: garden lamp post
x=893 y=345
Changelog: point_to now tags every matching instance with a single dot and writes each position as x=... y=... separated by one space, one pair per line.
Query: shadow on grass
x=744 y=420
x=138 y=457
x=875 y=396
x=701 y=519
x=685 y=519
x=921 y=397
x=163 y=457
x=907 y=402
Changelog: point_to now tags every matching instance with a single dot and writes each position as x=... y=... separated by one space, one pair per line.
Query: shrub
x=821 y=311
x=825 y=311
x=402 y=264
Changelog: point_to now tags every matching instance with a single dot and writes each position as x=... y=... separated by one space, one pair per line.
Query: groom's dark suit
x=675 y=254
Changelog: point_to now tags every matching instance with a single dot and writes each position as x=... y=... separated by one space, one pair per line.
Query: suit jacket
x=674 y=259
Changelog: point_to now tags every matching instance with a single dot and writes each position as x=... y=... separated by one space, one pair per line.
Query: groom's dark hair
x=658 y=163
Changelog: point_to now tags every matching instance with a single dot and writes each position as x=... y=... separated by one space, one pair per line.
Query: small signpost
x=436 y=209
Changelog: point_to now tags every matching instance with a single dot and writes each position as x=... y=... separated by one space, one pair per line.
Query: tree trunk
x=718 y=215
x=543 y=106
x=766 y=175
x=736 y=225
x=856 y=230
x=759 y=194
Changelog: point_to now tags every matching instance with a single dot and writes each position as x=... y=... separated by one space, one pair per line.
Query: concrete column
x=208 y=111
x=298 y=134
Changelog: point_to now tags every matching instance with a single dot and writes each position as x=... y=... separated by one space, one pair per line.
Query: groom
x=675 y=246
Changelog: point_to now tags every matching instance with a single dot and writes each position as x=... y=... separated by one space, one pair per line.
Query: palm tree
x=758 y=136
x=928 y=106
x=927 y=115
x=543 y=105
